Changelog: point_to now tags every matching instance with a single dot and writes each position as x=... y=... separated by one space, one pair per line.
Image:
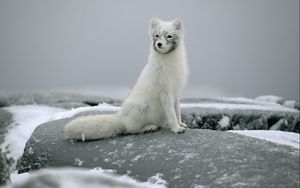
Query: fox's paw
x=181 y=124
x=150 y=128
x=178 y=129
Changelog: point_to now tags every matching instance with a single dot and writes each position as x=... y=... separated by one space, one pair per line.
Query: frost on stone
x=136 y=158
x=290 y=104
x=270 y=98
x=129 y=145
x=78 y=162
x=157 y=179
x=279 y=137
x=26 y=118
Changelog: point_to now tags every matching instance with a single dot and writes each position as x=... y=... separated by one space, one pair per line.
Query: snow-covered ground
x=77 y=178
x=278 y=137
x=27 y=117
x=269 y=98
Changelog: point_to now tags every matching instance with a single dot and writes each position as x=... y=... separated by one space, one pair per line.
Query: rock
x=196 y=157
x=4 y=169
x=194 y=117
x=208 y=118
x=257 y=124
x=5 y=121
x=279 y=125
x=296 y=125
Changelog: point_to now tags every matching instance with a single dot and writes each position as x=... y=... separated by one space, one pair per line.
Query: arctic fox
x=154 y=99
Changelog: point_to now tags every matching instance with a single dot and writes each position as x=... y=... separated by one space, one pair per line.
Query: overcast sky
x=235 y=47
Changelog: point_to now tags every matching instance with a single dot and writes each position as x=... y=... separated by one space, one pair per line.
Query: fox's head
x=165 y=36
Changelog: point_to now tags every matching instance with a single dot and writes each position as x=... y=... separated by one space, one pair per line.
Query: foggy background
x=235 y=47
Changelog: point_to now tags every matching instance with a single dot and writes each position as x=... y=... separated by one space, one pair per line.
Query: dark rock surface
x=196 y=157
x=5 y=121
x=4 y=168
x=208 y=118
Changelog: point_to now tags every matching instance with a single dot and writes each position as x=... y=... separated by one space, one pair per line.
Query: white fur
x=155 y=98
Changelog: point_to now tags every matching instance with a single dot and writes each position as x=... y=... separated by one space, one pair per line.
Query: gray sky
x=235 y=47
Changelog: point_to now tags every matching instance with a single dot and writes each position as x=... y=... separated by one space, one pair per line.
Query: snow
x=224 y=122
x=77 y=177
x=101 y=108
x=222 y=106
x=269 y=98
x=27 y=117
x=157 y=180
x=247 y=100
x=279 y=137
x=289 y=103
x=78 y=162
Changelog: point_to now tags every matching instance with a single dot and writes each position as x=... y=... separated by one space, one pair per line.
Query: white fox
x=154 y=99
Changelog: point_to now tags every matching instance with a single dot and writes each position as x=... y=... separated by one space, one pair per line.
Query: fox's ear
x=154 y=22
x=177 y=23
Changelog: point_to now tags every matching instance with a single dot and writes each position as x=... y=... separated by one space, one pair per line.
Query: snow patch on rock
x=77 y=178
x=222 y=106
x=224 y=122
x=289 y=103
x=279 y=137
x=269 y=98
x=26 y=118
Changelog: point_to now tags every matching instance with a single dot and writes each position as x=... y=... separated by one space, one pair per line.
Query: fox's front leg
x=178 y=113
x=168 y=104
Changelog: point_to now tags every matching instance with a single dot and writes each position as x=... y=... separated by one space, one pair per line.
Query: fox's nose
x=159 y=44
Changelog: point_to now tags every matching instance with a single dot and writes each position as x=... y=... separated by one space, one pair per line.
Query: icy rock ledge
x=239 y=114
x=196 y=157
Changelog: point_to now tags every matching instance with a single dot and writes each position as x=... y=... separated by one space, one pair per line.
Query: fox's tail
x=94 y=127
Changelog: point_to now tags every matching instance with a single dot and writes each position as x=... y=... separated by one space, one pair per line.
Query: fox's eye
x=156 y=36
x=169 y=36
